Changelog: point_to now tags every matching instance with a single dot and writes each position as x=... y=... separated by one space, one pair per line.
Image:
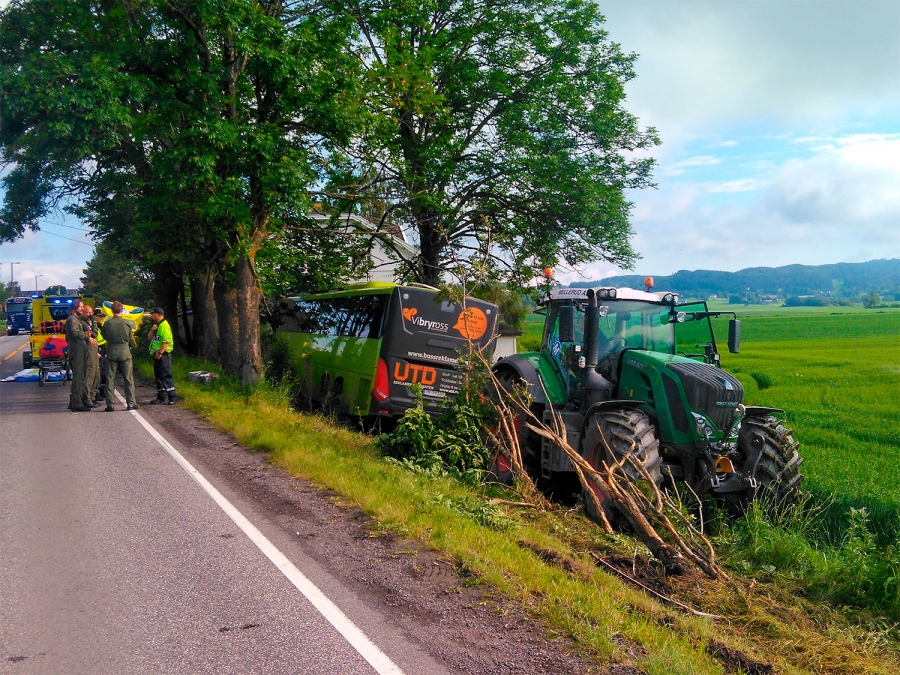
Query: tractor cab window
x=637 y=325
x=693 y=335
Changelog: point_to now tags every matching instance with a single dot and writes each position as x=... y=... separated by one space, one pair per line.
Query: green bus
x=358 y=350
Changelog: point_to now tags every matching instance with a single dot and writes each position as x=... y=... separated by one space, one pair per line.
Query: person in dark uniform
x=161 y=344
x=97 y=389
x=79 y=342
x=119 y=337
x=92 y=373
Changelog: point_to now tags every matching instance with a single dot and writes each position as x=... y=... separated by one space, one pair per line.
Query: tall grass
x=837 y=376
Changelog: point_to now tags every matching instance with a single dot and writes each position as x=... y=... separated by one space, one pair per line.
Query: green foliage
x=512 y=305
x=496 y=134
x=279 y=367
x=451 y=444
x=110 y=275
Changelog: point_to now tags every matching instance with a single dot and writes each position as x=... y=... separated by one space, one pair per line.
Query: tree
x=497 y=133
x=111 y=275
x=191 y=128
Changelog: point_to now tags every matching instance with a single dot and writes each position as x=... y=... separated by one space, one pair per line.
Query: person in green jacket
x=161 y=343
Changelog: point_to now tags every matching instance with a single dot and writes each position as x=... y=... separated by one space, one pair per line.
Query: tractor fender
x=759 y=411
x=620 y=404
x=529 y=374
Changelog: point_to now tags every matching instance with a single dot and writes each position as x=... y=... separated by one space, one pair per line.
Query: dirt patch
x=735 y=661
x=465 y=627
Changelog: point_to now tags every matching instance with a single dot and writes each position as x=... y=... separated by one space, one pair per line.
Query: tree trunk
x=431 y=244
x=249 y=296
x=186 y=321
x=227 y=315
x=167 y=283
x=203 y=305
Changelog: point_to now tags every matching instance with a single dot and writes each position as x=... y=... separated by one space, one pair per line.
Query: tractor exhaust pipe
x=595 y=388
x=591 y=330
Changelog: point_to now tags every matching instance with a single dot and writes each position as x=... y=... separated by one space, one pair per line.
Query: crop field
x=837 y=376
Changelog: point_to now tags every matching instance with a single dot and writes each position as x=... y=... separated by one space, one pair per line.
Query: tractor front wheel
x=769 y=454
x=625 y=431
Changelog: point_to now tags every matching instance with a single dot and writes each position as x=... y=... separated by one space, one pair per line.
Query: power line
x=67 y=238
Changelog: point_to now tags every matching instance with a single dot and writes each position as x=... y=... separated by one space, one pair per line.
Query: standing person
x=118 y=335
x=92 y=375
x=97 y=390
x=78 y=342
x=161 y=344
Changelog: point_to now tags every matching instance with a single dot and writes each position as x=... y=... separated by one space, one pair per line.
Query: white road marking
x=357 y=639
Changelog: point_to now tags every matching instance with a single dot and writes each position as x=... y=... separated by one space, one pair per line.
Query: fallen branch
x=644 y=587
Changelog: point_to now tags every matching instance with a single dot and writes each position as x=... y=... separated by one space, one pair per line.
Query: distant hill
x=846 y=280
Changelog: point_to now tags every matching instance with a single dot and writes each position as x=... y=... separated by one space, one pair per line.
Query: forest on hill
x=851 y=281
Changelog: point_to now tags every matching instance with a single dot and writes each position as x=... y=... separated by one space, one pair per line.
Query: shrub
x=451 y=445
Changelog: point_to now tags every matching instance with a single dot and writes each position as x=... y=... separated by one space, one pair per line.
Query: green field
x=837 y=376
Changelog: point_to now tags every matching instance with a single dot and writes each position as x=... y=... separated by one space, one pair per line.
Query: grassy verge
x=543 y=559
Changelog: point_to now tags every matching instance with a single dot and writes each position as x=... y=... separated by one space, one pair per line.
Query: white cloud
x=742 y=185
x=677 y=168
x=840 y=203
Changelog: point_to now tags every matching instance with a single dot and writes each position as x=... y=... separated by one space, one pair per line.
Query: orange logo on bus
x=472 y=323
x=413 y=373
x=409 y=313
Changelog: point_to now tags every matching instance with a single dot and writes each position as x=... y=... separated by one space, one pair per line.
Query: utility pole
x=36 y=277
x=11 y=273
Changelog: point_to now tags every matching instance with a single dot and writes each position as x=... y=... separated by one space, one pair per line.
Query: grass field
x=837 y=376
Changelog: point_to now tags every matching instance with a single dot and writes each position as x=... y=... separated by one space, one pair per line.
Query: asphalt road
x=113 y=559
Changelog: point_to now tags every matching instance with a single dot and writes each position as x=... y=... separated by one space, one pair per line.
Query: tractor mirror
x=567 y=323
x=734 y=336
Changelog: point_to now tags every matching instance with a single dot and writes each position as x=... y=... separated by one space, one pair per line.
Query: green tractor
x=642 y=371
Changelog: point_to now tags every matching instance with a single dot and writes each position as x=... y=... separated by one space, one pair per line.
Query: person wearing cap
x=118 y=334
x=161 y=343
x=97 y=389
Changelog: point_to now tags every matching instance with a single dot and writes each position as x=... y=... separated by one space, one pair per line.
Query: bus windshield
x=18 y=306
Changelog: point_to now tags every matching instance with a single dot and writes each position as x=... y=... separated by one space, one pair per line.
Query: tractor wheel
x=623 y=430
x=769 y=454
x=529 y=442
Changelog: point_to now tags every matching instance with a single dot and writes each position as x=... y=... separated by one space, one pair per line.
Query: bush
x=450 y=445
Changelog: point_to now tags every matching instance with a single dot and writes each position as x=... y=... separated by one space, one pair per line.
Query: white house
x=389 y=245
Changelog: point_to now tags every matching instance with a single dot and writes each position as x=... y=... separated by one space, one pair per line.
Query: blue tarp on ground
x=32 y=375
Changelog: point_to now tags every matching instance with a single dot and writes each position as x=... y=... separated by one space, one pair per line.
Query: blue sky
x=780 y=123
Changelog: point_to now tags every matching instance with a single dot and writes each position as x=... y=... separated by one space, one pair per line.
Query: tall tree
x=203 y=116
x=498 y=134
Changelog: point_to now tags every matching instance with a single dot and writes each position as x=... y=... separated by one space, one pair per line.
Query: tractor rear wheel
x=769 y=454
x=624 y=431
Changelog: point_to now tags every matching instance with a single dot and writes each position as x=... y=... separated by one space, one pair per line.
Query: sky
x=780 y=129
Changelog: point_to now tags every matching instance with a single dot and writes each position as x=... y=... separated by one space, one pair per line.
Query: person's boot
x=172 y=398
x=159 y=400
